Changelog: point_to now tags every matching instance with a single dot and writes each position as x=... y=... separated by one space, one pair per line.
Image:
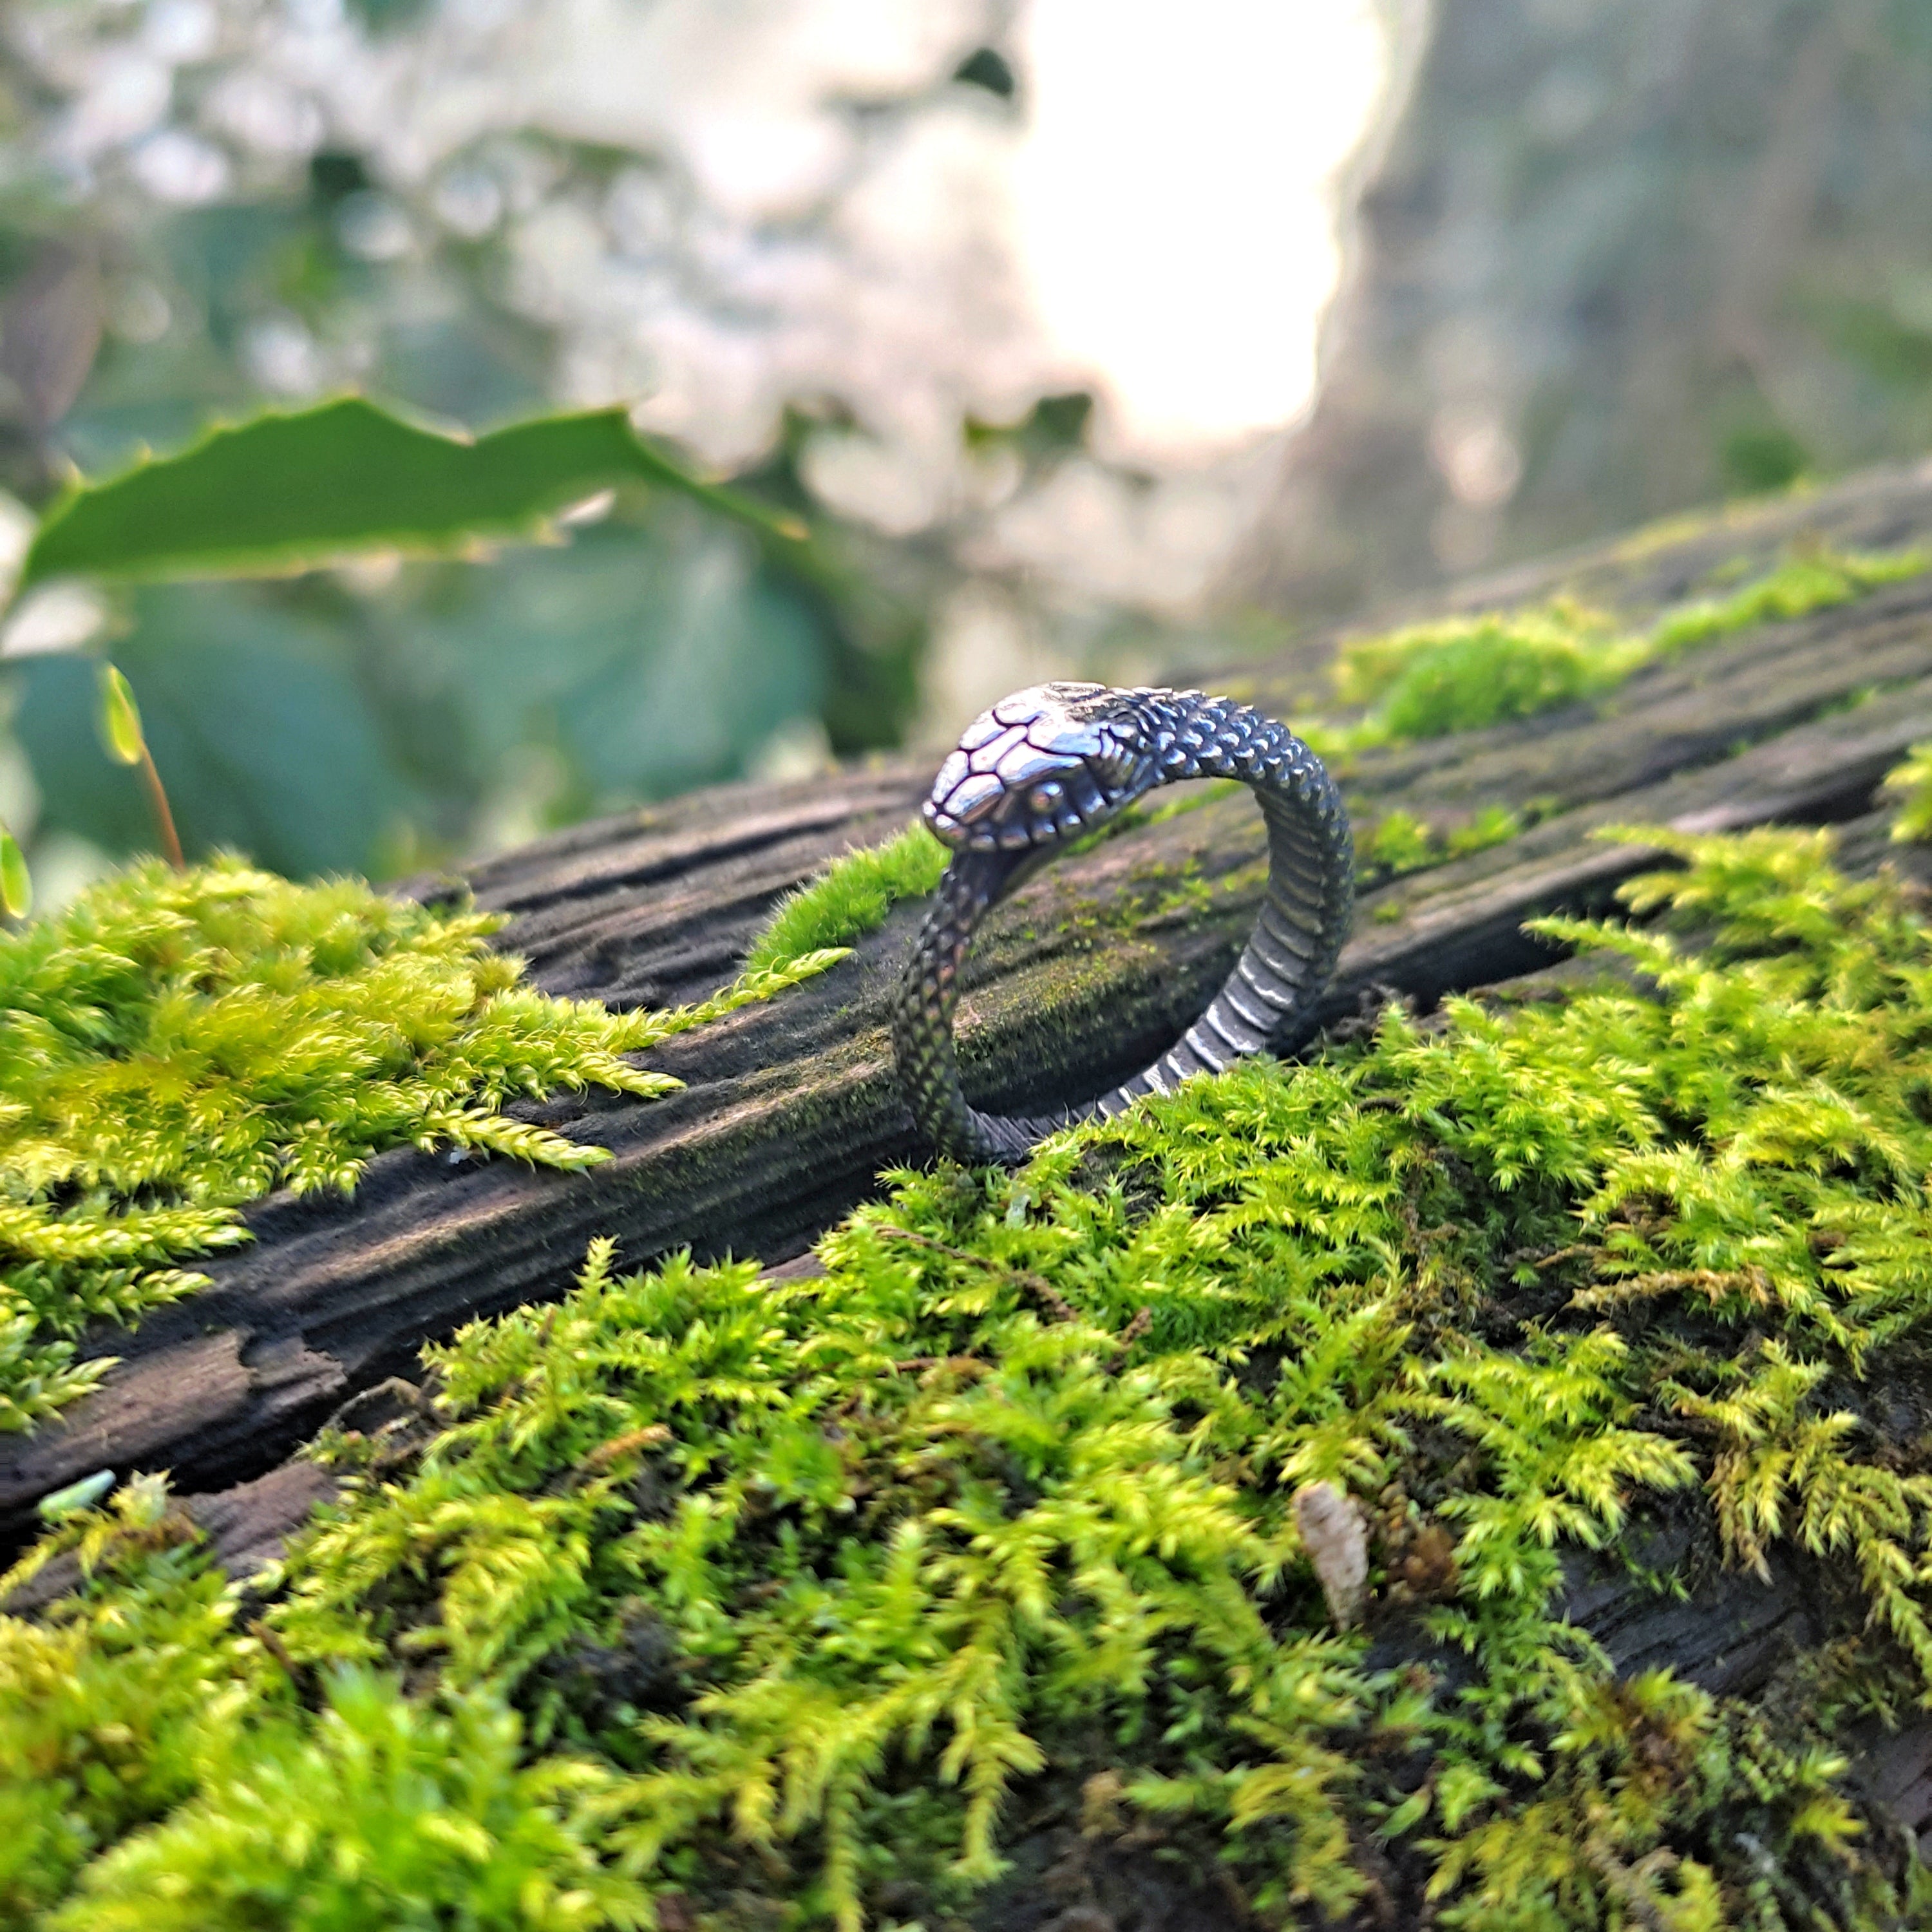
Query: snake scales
x=1048 y=764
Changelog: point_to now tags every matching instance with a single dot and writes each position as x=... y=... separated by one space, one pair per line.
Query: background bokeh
x=1018 y=302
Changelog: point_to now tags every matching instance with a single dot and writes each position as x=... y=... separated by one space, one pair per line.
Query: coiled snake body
x=1047 y=764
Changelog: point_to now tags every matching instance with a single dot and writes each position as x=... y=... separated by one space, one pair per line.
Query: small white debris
x=1337 y=1541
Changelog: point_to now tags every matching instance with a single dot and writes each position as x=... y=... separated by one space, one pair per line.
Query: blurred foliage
x=320 y=730
x=292 y=491
x=395 y=714
x=1617 y=257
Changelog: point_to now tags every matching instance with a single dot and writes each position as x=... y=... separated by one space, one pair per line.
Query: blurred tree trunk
x=1615 y=257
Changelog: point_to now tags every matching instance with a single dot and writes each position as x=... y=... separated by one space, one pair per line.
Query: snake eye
x=1044 y=798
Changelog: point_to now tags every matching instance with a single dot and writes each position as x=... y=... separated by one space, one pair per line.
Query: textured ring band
x=1049 y=763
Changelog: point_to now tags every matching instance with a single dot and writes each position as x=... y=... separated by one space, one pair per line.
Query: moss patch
x=1462 y=673
x=782 y=1598
x=1398 y=842
x=1911 y=783
x=172 y=1045
x=850 y=898
x=1465 y=672
x=1816 y=579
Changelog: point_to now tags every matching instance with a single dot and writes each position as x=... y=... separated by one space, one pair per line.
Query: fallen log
x=1735 y=1635
x=1083 y=977
x=789 y=1112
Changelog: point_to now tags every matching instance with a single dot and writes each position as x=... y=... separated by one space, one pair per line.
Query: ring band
x=1049 y=763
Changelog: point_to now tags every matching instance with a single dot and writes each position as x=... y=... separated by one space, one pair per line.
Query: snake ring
x=1050 y=764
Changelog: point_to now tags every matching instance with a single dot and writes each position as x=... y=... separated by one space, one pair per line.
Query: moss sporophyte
x=174 y=1045
x=727 y=1602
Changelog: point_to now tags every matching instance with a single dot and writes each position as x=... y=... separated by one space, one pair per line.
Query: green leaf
x=291 y=491
x=17 y=885
x=120 y=717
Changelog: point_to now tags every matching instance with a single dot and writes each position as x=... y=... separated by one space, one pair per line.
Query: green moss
x=1815 y=580
x=1398 y=842
x=850 y=898
x=1912 y=783
x=1167 y=895
x=431 y=1797
x=1494 y=825
x=172 y=1045
x=770 y=1593
x=107 y=1710
x=1465 y=672
x=853 y=894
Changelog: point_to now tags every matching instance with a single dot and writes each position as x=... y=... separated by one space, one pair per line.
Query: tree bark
x=1586 y=268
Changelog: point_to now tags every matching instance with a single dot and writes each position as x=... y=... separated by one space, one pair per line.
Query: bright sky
x=1175 y=201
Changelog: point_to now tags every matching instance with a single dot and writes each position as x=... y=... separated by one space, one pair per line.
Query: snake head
x=1043 y=764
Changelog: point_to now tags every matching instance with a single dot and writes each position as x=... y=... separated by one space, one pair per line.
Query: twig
x=1568 y=1254
x=605 y=1453
x=1519 y=1257
x=301 y=1678
x=960 y=1365
x=1042 y=1290
x=969 y=1366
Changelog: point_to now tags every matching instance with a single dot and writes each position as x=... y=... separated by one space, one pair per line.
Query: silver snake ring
x=1049 y=763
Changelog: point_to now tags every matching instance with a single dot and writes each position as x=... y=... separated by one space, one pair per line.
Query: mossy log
x=790 y=1110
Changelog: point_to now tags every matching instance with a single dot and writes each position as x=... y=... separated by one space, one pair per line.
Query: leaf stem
x=157 y=802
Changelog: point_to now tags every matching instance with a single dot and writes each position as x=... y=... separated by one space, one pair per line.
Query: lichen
x=774 y=1595
x=174 y=1045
